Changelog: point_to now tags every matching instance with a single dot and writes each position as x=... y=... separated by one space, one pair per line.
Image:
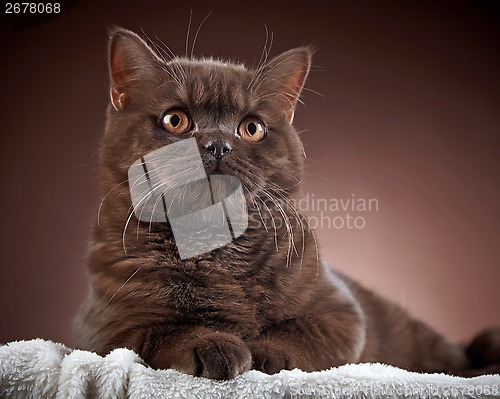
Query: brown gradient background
x=409 y=114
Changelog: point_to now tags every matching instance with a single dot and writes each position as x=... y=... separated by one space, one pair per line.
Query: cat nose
x=218 y=148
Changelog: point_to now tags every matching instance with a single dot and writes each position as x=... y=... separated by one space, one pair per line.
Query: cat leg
x=394 y=337
x=434 y=353
x=198 y=351
x=307 y=343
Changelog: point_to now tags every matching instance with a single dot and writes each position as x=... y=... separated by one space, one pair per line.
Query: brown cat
x=265 y=300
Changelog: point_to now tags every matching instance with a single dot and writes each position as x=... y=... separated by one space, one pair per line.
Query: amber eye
x=176 y=121
x=252 y=129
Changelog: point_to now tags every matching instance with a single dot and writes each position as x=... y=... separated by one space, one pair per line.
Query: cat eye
x=252 y=129
x=176 y=121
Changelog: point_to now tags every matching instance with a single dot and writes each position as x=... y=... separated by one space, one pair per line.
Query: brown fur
x=261 y=301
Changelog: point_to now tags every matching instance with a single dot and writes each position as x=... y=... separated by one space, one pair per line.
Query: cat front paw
x=218 y=356
x=271 y=357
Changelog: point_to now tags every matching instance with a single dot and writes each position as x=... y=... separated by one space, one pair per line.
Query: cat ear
x=286 y=74
x=130 y=58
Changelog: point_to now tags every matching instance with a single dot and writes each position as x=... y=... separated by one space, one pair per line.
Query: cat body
x=266 y=300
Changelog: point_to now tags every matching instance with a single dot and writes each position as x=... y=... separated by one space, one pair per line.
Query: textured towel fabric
x=43 y=369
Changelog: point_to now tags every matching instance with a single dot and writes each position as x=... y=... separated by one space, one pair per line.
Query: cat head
x=241 y=117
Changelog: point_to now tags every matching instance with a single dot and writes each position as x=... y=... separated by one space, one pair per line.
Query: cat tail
x=483 y=353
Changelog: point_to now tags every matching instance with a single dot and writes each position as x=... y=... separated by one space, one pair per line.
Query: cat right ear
x=130 y=58
x=285 y=75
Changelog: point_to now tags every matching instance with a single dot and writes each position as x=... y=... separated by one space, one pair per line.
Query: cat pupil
x=252 y=128
x=175 y=120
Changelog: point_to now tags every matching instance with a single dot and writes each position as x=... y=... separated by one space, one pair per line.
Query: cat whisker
x=172 y=62
x=289 y=230
x=196 y=34
x=179 y=69
x=168 y=59
x=313 y=91
x=158 y=50
x=262 y=77
x=104 y=199
x=165 y=49
x=260 y=214
x=273 y=222
x=263 y=60
x=174 y=197
x=286 y=220
x=287 y=96
x=130 y=214
x=311 y=231
x=84 y=165
x=248 y=167
x=168 y=68
x=146 y=195
x=283 y=196
x=156 y=203
x=265 y=52
x=188 y=31
x=123 y=285
x=160 y=200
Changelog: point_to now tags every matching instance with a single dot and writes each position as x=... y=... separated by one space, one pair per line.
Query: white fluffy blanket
x=43 y=369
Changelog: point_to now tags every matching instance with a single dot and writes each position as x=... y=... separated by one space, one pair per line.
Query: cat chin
x=218 y=168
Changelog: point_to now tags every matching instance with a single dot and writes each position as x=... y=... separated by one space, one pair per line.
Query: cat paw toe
x=218 y=356
x=271 y=358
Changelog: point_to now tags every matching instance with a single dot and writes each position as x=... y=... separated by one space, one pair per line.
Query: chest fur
x=213 y=298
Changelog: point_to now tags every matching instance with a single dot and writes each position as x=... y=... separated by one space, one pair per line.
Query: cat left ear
x=286 y=75
x=130 y=59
